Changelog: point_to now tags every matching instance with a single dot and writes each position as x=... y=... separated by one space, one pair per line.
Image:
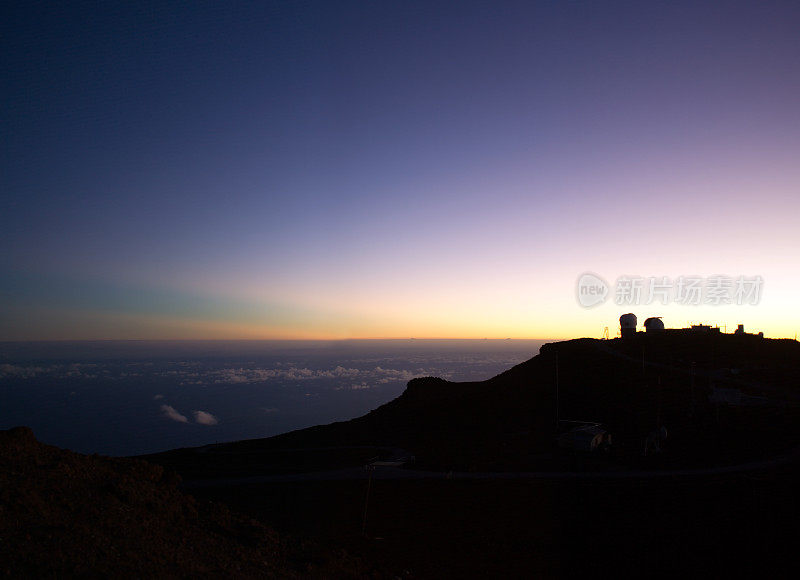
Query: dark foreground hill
x=719 y=500
x=64 y=515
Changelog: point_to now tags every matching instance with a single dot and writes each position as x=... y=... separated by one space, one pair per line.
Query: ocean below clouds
x=134 y=397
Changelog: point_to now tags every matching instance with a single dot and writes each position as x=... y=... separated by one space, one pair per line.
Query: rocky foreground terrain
x=66 y=514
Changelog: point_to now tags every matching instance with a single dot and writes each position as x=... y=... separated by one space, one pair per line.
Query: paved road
x=387 y=472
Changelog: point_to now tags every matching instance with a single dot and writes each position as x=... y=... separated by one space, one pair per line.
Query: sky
x=323 y=170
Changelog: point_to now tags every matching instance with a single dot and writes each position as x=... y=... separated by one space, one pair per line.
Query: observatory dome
x=654 y=324
x=627 y=325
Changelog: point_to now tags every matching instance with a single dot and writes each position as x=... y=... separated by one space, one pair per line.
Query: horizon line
x=404 y=338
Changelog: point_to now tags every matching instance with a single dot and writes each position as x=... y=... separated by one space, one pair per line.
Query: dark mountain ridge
x=511 y=421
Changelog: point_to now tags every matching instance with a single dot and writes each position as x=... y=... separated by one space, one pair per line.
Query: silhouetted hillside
x=632 y=387
x=65 y=514
x=717 y=501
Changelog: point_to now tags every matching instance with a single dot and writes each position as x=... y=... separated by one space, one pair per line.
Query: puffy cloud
x=76 y=370
x=204 y=418
x=7 y=370
x=295 y=374
x=341 y=372
x=240 y=375
x=290 y=373
x=171 y=413
x=158 y=397
x=391 y=375
x=231 y=376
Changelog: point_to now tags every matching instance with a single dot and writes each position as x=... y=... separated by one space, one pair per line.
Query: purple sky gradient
x=361 y=169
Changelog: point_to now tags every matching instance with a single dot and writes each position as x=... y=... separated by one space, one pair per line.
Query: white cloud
x=204 y=418
x=171 y=413
x=298 y=374
x=157 y=397
x=343 y=372
x=17 y=371
x=291 y=373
